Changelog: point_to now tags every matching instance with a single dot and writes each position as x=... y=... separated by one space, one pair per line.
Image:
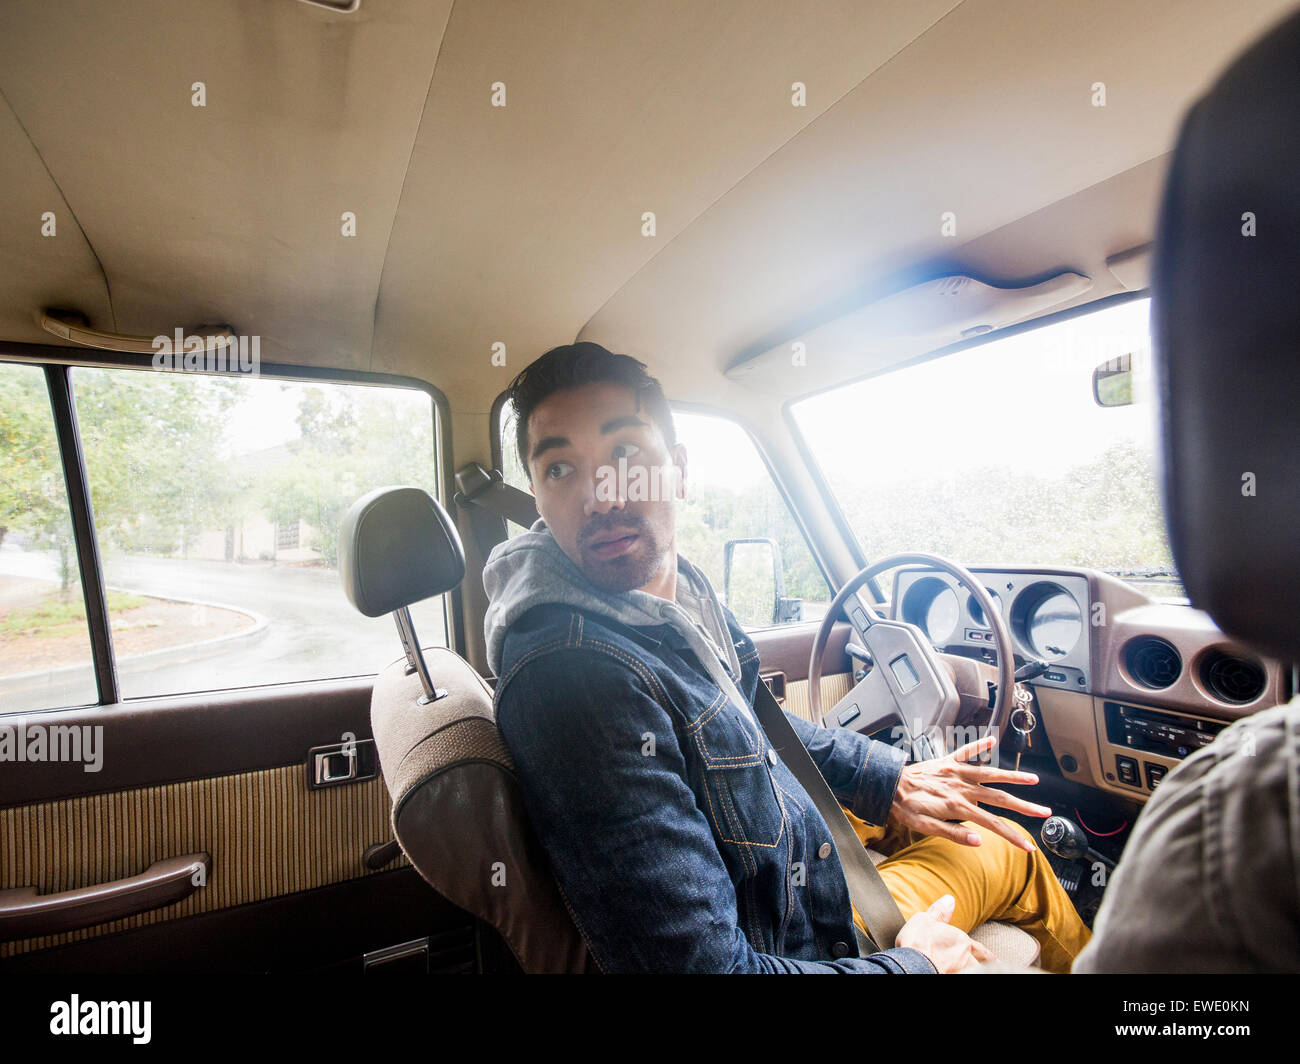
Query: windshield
x=1000 y=455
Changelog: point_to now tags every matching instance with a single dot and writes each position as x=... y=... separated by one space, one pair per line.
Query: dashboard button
x=1155 y=773
x=1127 y=768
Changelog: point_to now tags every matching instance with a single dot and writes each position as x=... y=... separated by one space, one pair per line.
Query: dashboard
x=1132 y=686
x=1047 y=614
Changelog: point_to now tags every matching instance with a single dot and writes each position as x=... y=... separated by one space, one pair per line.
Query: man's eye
x=563 y=468
x=627 y=449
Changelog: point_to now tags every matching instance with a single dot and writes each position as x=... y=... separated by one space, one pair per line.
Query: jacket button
x=771 y=756
x=840 y=949
x=824 y=850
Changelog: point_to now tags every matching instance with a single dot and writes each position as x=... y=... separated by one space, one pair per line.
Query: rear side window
x=45 y=656
x=217 y=502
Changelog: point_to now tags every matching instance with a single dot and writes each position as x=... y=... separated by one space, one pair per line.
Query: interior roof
x=523 y=224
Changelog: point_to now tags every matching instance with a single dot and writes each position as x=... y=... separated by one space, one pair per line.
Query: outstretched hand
x=933 y=793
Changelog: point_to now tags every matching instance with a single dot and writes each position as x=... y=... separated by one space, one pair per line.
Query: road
x=312 y=631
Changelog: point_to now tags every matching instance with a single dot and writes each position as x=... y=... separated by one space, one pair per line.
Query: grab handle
x=26 y=914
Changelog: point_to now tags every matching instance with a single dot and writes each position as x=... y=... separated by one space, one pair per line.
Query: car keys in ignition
x=1022 y=722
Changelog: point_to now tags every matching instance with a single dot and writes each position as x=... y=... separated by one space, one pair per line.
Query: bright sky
x=719 y=452
x=264 y=417
x=1025 y=401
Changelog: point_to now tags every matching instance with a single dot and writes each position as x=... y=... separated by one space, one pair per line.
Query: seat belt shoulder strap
x=867 y=891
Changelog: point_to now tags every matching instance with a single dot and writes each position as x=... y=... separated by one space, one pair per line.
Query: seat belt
x=867 y=891
x=486 y=492
x=490 y=502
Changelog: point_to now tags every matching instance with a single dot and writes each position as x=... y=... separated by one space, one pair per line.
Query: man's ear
x=679 y=460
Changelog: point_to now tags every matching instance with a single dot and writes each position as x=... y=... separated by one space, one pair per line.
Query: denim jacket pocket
x=744 y=804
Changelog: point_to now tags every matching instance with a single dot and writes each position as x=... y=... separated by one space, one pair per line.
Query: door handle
x=26 y=914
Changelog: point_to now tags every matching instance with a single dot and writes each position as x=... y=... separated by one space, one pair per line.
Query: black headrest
x=1226 y=344
x=397 y=546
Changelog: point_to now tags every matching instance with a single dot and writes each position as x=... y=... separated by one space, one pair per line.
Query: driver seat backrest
x=457 y=813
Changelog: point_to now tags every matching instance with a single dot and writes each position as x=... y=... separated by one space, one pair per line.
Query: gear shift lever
x=1066 y=839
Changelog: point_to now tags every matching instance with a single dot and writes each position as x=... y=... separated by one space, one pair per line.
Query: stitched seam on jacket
x=727 y=802
x=860 y=797
x=707 y=713
x=637 y=666
x=779 y=943
x=751 y=863
x=755 y=758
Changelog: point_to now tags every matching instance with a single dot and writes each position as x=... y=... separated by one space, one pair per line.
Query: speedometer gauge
x=931 y=604
x=1052 y=622
x=941 y=616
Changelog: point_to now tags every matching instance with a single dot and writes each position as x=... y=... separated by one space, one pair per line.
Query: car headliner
x=523 y=224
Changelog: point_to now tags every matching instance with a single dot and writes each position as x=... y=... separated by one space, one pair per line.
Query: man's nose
x=604 y=492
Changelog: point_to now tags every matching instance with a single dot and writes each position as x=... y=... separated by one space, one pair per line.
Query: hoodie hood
x=532 y=569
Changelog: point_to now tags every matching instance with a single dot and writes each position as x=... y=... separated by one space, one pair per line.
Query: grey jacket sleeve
x=1208 y=880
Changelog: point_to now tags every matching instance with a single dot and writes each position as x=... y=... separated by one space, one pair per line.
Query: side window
x=217 y=502
x=45 y=656
x=730 y=498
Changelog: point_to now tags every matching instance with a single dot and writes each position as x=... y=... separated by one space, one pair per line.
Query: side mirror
x=754 y=583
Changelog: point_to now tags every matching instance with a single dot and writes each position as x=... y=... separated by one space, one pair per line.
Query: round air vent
x=1232 y=679
x=1153 y=662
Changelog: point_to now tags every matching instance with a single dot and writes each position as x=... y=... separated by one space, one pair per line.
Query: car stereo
x=1158 y=733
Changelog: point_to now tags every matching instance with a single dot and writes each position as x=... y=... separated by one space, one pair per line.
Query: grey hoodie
x=533 y=569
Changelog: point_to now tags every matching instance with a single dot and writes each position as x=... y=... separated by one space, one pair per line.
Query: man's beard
x=628 y=571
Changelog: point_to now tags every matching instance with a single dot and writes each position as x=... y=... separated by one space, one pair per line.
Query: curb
x=260 y=625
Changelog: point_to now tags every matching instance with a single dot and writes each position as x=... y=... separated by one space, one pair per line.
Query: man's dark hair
x=572 y=366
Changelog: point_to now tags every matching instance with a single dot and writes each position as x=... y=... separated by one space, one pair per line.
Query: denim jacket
x=679 y=839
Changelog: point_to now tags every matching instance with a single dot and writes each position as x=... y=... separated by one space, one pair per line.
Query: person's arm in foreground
x=633 y=854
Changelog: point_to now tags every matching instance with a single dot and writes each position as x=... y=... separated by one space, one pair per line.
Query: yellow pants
x=992 y=881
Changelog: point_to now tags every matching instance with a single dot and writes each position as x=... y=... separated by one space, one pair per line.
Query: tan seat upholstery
x=458 y=814
x=1015 y=949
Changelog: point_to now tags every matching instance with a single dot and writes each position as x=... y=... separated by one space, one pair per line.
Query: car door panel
x=223 y=774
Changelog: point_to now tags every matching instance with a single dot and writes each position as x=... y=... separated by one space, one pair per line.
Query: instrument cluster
x=1046 y=612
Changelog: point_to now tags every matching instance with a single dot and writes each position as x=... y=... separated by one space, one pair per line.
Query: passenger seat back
x=458 y=812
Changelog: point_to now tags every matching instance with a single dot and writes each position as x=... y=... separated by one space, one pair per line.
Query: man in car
x=679 y=840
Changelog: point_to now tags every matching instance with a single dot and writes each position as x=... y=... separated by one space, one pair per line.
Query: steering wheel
x=911 y=680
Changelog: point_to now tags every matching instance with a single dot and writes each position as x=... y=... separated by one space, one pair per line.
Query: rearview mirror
x=1113 y=382
x=1123 y=380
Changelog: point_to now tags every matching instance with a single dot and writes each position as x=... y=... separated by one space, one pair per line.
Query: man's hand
x=948 y=947
x=931 y=793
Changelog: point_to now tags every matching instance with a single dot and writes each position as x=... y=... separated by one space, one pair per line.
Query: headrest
x=1226 y=346
x=397 y=546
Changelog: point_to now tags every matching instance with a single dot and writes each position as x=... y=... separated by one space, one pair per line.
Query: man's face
x=605 y=482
